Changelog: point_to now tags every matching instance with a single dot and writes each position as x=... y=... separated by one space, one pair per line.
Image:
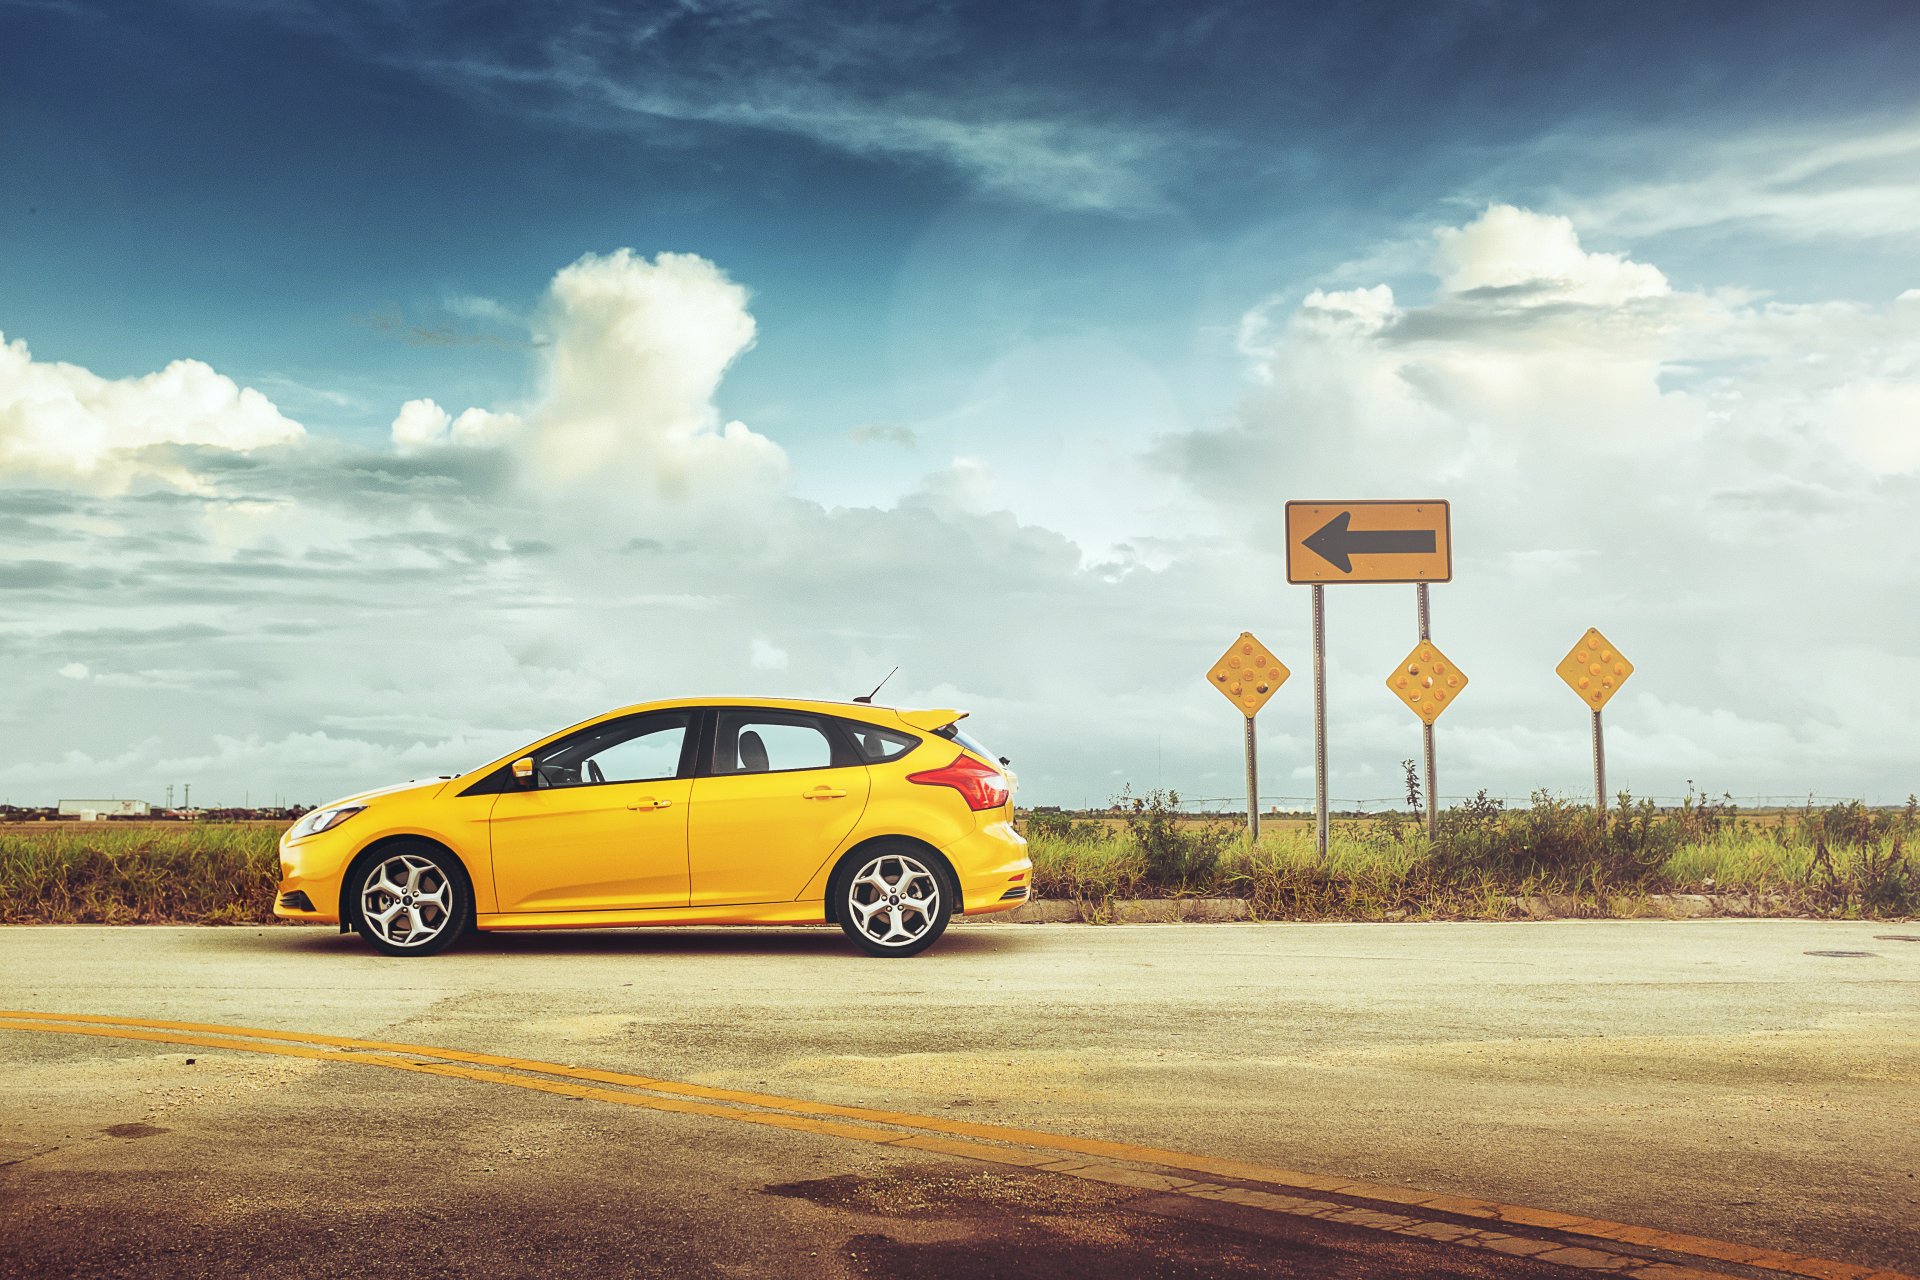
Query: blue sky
x=1043 y=279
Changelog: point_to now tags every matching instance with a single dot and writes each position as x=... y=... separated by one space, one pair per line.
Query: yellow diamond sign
x=1248 y=674
x=1427 y=681
x=1595 y=669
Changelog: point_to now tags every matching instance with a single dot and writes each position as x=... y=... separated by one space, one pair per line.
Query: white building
x=88 y=810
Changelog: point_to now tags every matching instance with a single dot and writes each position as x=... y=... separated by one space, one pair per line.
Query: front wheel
x=410 y=900
x=893 y=902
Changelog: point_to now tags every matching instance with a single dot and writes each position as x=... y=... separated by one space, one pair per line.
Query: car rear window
x=876 y=745
x=954 y=733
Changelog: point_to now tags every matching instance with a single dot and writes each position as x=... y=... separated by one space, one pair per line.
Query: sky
x=384 y=385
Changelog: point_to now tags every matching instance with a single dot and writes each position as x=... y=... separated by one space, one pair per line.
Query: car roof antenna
x=868 y=700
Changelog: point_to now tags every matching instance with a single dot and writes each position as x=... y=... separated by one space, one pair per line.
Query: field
x=1488 y=861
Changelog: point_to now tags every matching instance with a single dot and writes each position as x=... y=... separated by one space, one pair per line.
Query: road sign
x=1427 y=681
x=1594 y=669
x=1248 y=674
x=1369 y=541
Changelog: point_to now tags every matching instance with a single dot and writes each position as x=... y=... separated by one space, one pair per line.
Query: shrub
x=1177 y=855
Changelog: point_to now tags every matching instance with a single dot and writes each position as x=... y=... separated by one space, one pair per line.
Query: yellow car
x=709 y=811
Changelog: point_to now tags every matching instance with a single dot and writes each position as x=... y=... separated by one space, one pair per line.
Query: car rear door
x=776 y=793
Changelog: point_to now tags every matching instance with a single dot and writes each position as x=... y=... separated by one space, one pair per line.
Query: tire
x=410 y=898
x=893 y=898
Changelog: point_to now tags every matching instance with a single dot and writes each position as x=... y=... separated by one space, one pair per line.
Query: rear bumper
x=991 y=863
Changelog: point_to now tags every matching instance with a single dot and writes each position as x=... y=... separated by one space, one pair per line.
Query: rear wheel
x=893 y=900
x=410 y=900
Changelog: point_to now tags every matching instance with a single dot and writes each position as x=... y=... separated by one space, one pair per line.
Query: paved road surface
x=1708 y=1078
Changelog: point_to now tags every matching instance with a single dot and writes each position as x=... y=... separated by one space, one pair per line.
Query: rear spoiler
x=933 y=721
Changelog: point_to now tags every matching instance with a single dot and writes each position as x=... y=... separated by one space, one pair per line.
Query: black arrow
x=1334 y=543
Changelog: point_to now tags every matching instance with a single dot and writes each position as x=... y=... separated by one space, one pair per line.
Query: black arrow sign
x=1335 y=543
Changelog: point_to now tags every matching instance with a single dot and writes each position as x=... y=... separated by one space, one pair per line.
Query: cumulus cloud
x=1517 y=250
x=1697 y=472
x=63 y=421
x=635 y=354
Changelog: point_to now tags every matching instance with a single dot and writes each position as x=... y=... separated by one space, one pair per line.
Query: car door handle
x=650 y=803
x=823 y=793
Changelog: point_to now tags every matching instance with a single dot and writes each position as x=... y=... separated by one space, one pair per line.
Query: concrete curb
x=1552 y=906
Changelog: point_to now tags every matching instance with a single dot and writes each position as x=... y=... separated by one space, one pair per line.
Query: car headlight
x=323 y=820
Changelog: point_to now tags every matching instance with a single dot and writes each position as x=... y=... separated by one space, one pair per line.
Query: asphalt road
x=1306 y=1090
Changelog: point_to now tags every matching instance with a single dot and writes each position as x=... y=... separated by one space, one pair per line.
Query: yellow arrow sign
x=1594 y=669
x=1248 y=674
x=1369 y=542
x=1427 y=681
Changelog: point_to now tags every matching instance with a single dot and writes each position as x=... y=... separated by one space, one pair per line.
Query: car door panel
x=778 y=792
x=759 y=837
x=592 y=848
x=604 y=825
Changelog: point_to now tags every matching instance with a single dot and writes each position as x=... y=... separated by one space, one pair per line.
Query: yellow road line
x=827 y=1119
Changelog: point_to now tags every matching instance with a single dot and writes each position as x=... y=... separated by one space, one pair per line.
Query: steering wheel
x=593 y=772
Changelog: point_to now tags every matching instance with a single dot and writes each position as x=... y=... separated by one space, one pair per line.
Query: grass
x=123 y=873
x=1487 y=863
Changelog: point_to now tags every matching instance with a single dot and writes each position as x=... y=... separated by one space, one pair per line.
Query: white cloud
x=636 y=353
x=422 y=424
x=62 y=421
x=1699 y=473
x=75 y=671
x=1853 y=179
x=1539 y=255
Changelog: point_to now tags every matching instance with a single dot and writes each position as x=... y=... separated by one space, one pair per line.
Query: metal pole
x=1253 y=784
x=1426 y=729
x=1320 y=720
x=1599 y=772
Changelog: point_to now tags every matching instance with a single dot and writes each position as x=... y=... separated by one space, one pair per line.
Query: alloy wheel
x=894 y=900
x=406 y=901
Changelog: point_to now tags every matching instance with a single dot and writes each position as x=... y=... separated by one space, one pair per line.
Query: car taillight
x=982 y=785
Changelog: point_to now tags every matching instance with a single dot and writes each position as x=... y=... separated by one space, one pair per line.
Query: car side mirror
x=523 y=771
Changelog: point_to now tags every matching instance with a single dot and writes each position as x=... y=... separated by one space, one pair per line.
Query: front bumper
x=310 y=873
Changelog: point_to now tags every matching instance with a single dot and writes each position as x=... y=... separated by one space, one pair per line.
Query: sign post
x=1426 y=726
x=1595 y=670
x=1248 y=674
x=1319 y=722
x=1428 y=682
x=1364 y=541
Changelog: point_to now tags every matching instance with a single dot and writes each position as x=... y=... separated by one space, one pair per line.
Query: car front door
x=604 y=825
x=776 y=795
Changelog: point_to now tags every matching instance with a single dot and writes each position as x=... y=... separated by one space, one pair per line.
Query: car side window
x=757 y=741
x=875 y=745
x=634 y=749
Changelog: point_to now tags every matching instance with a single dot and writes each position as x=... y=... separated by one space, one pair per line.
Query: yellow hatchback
x=709 y=811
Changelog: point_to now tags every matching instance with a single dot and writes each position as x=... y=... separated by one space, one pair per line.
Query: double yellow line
x=1408 y=1212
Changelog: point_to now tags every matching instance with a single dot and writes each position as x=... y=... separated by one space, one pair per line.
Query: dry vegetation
x=1843 y=860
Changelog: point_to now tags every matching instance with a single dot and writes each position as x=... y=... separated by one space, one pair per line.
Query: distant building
x=88 y=810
